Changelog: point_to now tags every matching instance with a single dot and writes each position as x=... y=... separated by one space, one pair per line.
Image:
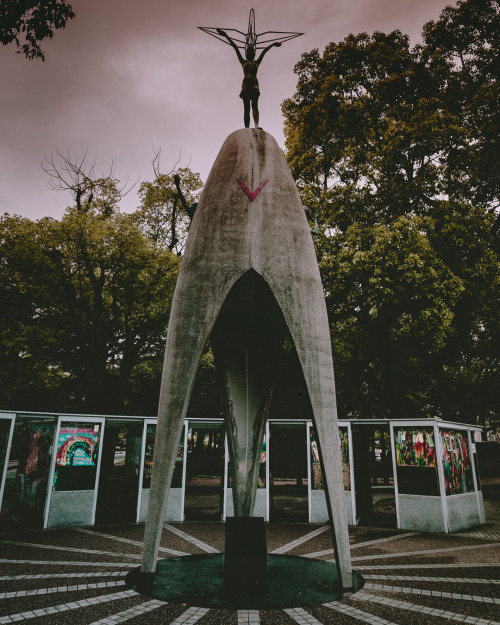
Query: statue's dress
x=250 y=85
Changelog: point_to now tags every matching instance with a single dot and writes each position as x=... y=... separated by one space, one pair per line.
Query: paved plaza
x=76 y=575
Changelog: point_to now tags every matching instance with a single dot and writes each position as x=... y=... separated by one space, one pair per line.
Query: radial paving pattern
x=77 y=576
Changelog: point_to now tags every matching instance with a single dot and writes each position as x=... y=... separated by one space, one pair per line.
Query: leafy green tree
x=397 y=150
x=87 y=302
x=32 y=21
x=466 y=40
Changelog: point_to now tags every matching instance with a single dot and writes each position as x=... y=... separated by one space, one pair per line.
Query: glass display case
x=54 y=468
x=27 y=466
x=148 y=459
x=316 y=473
x=74 y=474
x=318 y=510
x=416 y=465
x=457 y=467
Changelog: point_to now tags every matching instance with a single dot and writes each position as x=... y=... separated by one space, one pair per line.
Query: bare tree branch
x=156 y=162
x=71 y=173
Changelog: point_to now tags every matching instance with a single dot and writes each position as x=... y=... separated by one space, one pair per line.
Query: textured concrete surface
x=62 y=576
x=249 y=277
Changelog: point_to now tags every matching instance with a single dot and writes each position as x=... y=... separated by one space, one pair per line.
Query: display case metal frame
x=90 y=518
x=318 y=512
x=174 y=512
x=6 y=417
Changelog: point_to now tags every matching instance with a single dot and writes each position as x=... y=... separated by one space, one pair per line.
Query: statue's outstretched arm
x=236 y=49
x=276 y=44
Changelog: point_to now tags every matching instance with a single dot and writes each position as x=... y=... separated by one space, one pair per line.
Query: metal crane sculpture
x=250 y=91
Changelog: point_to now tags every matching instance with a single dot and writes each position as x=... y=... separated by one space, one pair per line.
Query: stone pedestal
x=245 y=555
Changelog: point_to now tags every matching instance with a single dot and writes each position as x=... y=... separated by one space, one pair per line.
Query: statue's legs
x=255 y=110
x=246 y=112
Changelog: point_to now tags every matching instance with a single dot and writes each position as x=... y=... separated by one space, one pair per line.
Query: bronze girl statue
x=250 y=87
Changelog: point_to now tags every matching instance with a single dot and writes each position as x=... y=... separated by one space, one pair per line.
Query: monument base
x=245 y=555
x=292 y=582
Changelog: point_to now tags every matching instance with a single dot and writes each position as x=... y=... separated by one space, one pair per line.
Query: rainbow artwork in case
x=77 y=446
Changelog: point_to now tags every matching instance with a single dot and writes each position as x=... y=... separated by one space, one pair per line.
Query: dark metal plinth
x=198 y=580
x=245 y=554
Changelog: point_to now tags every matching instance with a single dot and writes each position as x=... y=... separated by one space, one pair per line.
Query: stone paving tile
x=301 y=616
x=360 y=534
x=63 y=587
x=13 y=566
x=211 y=533
x=356 y=535
x=470 y=608
x=218 y=617
x=43 y=600
x=349 y=610
x=428 y=542
x=422 y=579
x=280 y=534
x=66 y=538
x=287 y=548
x=168 y=613
x=136 y=532
x=447 y=591
x=164 y=552
x=37 y=581
x=32 y=551
x=474 y=552
x=398 y=615
x=377 y=541
x=71 y=612
x=248 y=617
x=39 y=576
x=490 y=569
x=332 y=617
x=275 y=617
x=192 y=540
x=129 y=613
x=317 y=543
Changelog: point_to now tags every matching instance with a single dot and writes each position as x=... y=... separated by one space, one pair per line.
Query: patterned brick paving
x=407 y=581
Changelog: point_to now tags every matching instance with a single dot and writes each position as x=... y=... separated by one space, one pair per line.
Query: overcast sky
x=125 y=77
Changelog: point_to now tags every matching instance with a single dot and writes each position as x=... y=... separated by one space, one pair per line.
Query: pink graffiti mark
x=251 y=194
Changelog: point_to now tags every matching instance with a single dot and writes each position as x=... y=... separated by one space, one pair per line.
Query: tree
x=466 y=39
x=160 y=215
x=91 y=193
x=397 y=149
x=32 y=21
x=87 y=301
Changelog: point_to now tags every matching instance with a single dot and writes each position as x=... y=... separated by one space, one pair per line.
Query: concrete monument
x=249 y=282
x=249 y=276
